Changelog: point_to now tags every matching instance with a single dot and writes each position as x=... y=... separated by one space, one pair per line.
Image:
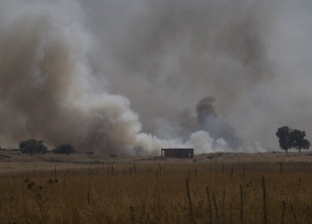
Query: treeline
x=288 y=139
x=37 y=146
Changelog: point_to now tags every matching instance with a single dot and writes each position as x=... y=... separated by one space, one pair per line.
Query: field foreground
x=215 y=188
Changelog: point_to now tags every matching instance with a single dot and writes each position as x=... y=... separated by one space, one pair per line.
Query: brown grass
x=169 y=191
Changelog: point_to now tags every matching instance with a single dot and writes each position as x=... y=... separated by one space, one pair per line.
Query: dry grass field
x=215 y=188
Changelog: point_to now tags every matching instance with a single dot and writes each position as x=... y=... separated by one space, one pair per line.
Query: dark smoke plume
x=209 y=121
x=205 y=110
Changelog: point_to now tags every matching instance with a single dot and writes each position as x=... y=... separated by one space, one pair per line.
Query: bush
x=32 y=146
x=64 y=149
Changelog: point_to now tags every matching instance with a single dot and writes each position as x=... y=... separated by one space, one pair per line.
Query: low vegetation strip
x=4 y=156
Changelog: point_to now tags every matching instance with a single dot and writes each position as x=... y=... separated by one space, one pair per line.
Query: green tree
x=283 y=135
x=289 y=138
x=32 y=146
x=64 y=149
x=297 y=139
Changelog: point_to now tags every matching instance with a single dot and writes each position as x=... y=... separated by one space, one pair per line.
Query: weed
x=283 y=212
x=264 y=195
x=209 y=205
x=190 y=204
x=37 y=193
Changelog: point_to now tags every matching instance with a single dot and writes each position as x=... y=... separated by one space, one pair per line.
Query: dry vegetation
x=204 y=190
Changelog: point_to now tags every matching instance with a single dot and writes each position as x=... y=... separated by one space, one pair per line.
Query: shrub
x=64 y=149
x=32 y=146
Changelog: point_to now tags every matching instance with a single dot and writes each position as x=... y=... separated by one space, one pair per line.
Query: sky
x=132 y=76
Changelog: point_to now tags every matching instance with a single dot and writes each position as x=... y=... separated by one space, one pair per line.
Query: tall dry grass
x=160 y=193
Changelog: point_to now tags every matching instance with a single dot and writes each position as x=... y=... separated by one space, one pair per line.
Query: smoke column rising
x=46 y=90
x=209 y=121
x=69 y=70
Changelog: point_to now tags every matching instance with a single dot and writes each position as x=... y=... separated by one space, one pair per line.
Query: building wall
x=177 y=153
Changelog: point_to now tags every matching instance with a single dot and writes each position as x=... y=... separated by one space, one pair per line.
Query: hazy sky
x=125 y=76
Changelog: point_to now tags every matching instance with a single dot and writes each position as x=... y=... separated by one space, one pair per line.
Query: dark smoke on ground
x=110 y=76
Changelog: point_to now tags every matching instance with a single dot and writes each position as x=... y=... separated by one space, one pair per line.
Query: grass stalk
x=241 y=204
x=283 y=213
x=231 y=213
x=294 y=214
x=223 y=206
x=191 y=214
x=209 y=205
x=216 y=207
x=132 y=218
x=232 y=172
x=264 y=197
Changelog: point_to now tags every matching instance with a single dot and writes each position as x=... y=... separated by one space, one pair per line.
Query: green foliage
x=64 y=149
x=289 y=138
x=283 y=135
x=32 y=146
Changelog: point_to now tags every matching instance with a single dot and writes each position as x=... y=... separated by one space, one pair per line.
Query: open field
x=214 y=188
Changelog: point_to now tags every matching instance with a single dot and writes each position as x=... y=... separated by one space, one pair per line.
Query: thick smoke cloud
x=46 y=88
x=69 y=70
x=217 y=129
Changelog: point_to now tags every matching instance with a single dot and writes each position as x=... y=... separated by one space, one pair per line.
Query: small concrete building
x=177 y=153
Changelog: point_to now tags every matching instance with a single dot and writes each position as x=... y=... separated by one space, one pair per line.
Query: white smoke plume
x=69 y=70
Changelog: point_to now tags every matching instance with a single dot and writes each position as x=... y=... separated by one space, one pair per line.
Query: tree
x=64 y=149
x=32 y=146
x=289 y=138
x=298 y=141
x=283 y=135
